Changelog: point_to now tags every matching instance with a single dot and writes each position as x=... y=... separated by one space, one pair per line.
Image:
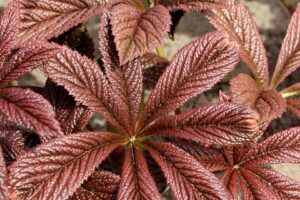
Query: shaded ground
x=272 y=19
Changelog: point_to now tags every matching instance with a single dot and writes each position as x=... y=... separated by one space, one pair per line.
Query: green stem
x=160 y=51
x=291 y=94
x=288 y=5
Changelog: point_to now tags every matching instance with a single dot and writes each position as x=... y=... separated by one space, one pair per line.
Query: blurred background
x=272 y=19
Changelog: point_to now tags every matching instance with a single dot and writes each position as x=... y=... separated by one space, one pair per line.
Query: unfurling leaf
x=9 y=22
x=244 y=90
x=289 y=56
x=238 y=23
x=44 y=19
x=101 y=185
x=270 y=105
x=222 y=124
x=56 y=169
x=193 y=5
x=17 y=106
x=3 y=178
x=185 y=175
x=193 y=70
x=25 y=60
x=12 y=144
x=138 y=32
x=136 y=181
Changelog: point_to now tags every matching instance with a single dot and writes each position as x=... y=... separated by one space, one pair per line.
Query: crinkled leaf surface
x=289 y=56
x=44 y=19
x=26 y=59
x=187 y=178
x=193 y=70
x=12 y=144
x=294 y=106
x=222 y=124
x=101 y=185
x=3 y=186
x=9 y=23
x=56 y=169
x=136 y=181
x=16 y=106
x=137 y=32
x=238 y=23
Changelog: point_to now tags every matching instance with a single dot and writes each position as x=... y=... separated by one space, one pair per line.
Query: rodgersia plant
x=184 y=148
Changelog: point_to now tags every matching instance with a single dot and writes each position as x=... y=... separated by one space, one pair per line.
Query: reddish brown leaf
x=25 y=60
x=101 y=185
x=9 y=23
x=185 y=175
x=193 y=70
x=292 y=88
x=193 y=5
x=270 y=105
x=136 y=181
x=153 y=67
x=223 y=97
x=44 y=19
x=283 y=147
x=238 y=23
x=85 y=81
x=230 y=180
x=244 y=90
x=3 y=186
x=17 y=106
x=138 y=32
x=127 y=84
x=294 y=106
x=210 y=158
x=222 y=124
x=12 y=144
x=55 y=170
x=288 y=60
x=107 y=47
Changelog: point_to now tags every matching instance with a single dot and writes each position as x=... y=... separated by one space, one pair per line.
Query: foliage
x=48 y=151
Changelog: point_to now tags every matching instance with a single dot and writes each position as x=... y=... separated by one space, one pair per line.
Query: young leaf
x=138 y=32
x=222 y=124
x=100 y=185
x=16 y=106
x=45 y=19
x=3 y=186
x=238 y=23
x=12 y=144
x=193 y=70
x=244 y=90
x=56 y=169
x=85 y=81
x=127 y=84
x=9 y=23
x=136 y=181
x=185 y=175
x=26 y=59
x=294 y=106
x=193 y=5
x=288 y=60
x=283 y=147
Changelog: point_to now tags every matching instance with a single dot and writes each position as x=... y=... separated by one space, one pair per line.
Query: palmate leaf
x=56 y=169
x=9 y=23
x=194 y=69
x=16 y=106
x=127 y=84
x=3 y=174
x=101 y=185
x=44 y=19
x=193 y=5
x=185 y=175
x=85 y=81
x=26 y=59
x=238 y=23
x=222 y=124
x=136 y=181
x=137 y=32
x=288 y=60
x=283 y=147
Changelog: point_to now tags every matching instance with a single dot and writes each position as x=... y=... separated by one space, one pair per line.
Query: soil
x=272 y=20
